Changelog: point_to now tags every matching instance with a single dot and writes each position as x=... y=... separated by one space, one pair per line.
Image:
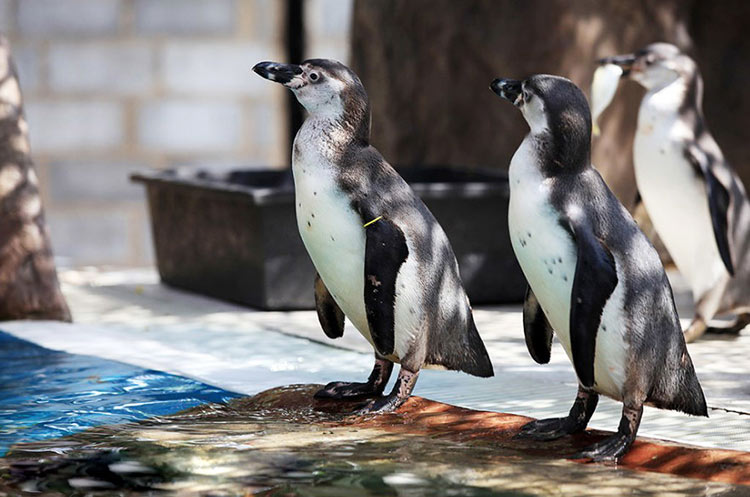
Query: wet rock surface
x=283 y=443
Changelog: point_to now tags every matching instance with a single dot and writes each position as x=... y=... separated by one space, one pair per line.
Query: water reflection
x=249 y=447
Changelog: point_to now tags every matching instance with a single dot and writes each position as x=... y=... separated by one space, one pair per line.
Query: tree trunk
x=29 y=288
x=427 y=66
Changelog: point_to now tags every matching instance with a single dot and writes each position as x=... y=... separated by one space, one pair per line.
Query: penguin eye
x=314 y=76
x=527 y=96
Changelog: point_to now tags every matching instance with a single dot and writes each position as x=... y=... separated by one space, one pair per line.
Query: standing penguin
x=695 y=200
x=594 y=278
x=382 y=259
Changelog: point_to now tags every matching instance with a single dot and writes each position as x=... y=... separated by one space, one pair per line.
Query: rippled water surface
x=249 y=447
x=82 y=426
x=46 y=394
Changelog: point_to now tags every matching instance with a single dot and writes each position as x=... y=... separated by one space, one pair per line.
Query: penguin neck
x=680 y=96
x=560 y=153
x=335 y=132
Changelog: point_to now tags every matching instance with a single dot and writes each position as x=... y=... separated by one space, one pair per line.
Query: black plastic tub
x=235 y=236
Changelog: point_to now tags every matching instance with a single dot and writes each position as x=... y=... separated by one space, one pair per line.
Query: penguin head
x=547 y=102
x=556 y=110
x=322 y=86
x=655 y=65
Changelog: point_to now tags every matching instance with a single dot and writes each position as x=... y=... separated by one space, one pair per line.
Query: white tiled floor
x=129 y=317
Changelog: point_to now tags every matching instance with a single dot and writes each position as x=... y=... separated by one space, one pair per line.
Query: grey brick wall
x=113 y=86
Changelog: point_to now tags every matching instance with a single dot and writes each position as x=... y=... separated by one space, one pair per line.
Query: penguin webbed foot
x=401 y=392
x=348 y=390
x=554 y=428
x=733 y=327
x=613 y=448
x=549 y=429
x=386 y=403
x=373 y=387
x=608 y=450
x=698 y=327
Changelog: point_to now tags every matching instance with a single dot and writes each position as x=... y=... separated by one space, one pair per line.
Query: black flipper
x=718 y=202
x=536 y=329
x=594 y=282
x=331 y=317
x=385 y=251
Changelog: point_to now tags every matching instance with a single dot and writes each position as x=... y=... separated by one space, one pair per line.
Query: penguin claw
x=546 y=429
x=388 y=403
x=608 y=450
x=346 y=390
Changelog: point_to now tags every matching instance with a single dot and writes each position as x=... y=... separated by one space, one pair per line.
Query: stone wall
x=113 y=86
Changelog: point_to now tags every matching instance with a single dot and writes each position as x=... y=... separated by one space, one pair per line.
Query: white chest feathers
x=548 y=258
x=335 y=239
x=674 y=196
x=331 y=231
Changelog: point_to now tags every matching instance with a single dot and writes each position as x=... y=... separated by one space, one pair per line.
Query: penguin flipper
x=536 y=329
x=595 y=280
x=718 y=202
x=385 y=251
x=330 y=315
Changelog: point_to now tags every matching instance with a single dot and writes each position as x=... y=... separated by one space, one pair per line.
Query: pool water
x=85 y=426
x=49 y=394
x=252 y=447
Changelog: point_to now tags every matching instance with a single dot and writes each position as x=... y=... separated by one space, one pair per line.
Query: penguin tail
x=458 y=347
x=688 y=395
x=690 y=398
x=476 y=361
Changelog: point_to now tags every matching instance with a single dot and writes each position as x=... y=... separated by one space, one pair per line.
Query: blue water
x=47 y=394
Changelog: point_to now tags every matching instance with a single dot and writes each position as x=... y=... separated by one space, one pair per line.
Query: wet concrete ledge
x=424 y=417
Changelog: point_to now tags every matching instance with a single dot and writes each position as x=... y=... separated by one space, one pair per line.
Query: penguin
x=382 y=259
x=696 y=201
x=594 y=278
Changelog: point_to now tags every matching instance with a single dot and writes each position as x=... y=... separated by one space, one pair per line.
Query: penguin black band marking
x=385 y=251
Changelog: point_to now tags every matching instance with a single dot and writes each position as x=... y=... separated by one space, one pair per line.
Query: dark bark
x=29 y=288
x=427 y=66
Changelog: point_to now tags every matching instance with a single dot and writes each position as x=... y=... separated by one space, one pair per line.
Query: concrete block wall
x=113 y=86
x=328 y=24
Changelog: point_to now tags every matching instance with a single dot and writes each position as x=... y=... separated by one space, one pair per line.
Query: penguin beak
x=280 y=73
x=509 y=89
x=625 y=61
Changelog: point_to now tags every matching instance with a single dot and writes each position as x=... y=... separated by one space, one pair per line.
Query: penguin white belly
x=547 y=256
x=675 y=198
x=333 y=236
